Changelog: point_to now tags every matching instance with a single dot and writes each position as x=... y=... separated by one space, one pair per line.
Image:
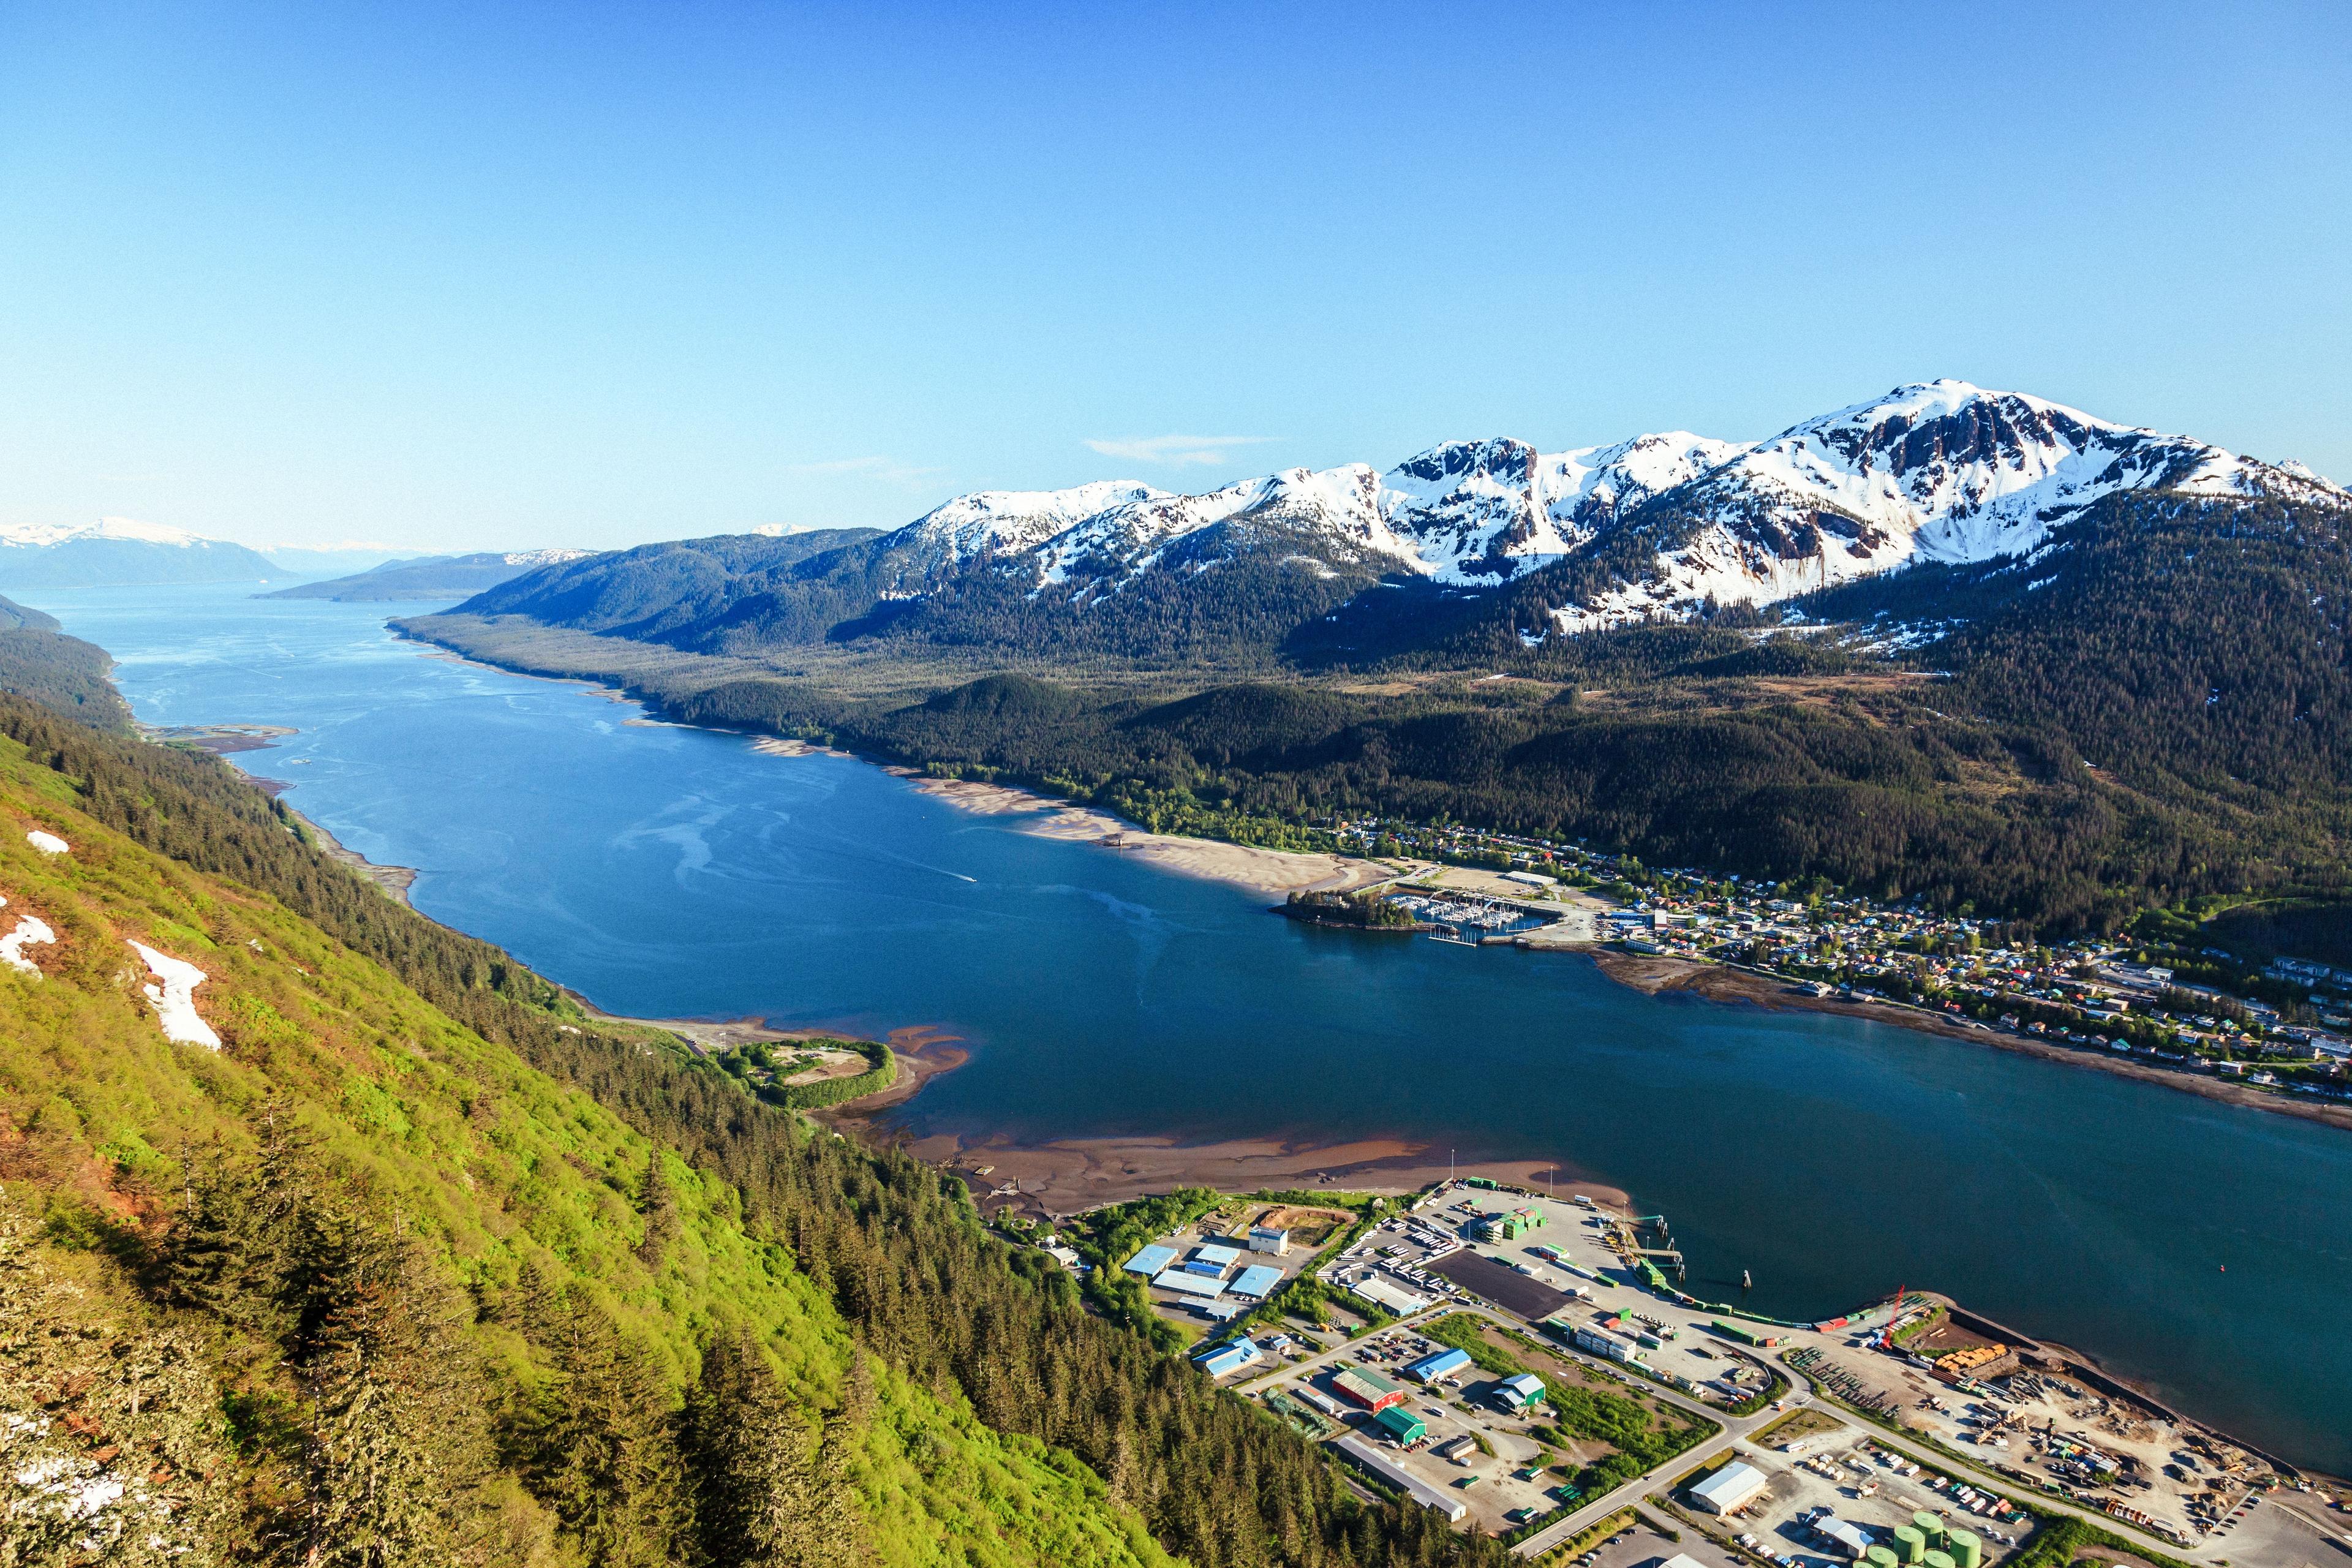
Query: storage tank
x=1939 y=1559
x=1910 y=1545
x=1932 y=1527
x=1879 y=1557
x=1967 y=1550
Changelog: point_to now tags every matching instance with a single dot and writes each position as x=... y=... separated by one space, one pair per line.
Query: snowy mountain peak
x=1932 y=470
x=41 y=535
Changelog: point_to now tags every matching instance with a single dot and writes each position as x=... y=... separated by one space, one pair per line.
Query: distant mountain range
x=119 y=551
x=1664 y=525
x=430 y=576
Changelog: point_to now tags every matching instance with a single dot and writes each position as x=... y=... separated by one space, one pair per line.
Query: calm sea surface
x=660 y=871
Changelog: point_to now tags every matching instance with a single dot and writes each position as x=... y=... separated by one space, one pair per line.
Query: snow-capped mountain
x=119 y=550
x=1938 y=471
x=1303 y=563
x=1943 y=471
x=44 y=535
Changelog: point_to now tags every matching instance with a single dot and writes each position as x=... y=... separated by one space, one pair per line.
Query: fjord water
x=2201 y=1248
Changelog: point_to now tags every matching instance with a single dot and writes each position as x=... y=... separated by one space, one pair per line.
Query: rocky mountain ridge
x=1938 y=471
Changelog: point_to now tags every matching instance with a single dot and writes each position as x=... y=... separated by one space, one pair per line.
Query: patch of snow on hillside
x=46 y=843
x=31 y=932
x=174 y=997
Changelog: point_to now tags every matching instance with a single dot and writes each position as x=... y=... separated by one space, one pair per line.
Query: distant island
x=427 y=577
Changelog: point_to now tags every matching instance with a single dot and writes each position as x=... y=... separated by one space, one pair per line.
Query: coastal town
x=2282 y=1030
x=1523 y=1364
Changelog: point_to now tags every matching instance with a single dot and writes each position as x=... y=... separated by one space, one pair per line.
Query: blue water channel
x=2201 y=1248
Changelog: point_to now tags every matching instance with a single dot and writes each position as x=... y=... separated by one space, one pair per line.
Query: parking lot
x=1472 y=1451
x=1836 y=1474
x=1643 y=1547
x=1389 y=1265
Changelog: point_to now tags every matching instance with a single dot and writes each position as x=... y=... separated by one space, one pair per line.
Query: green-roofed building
x=1402 y=1423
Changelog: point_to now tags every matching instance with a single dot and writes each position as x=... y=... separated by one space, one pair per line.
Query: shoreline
x=1256 y=868
x=394 y=882
x=1250 y=866
x=1726 y=986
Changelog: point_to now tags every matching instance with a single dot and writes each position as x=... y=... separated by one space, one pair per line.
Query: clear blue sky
x=486 y=275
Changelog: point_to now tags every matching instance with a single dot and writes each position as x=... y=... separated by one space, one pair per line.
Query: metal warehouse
x=1368 y=1388
x=1223 y=1359
x=1185 y=1284
x=1150 y=1260
x=1518 y=1392
x=1257 y=1281
x=1444 y=1364
x=1362 y=1453
x=1731 y=1486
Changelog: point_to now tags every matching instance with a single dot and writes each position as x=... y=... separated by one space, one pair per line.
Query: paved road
x=1735 y=1428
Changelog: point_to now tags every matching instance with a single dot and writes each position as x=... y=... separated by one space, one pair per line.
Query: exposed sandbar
x=1271 y=871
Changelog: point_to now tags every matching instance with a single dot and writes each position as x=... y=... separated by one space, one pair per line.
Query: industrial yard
x=1229 y=1261
x=1523 y=1364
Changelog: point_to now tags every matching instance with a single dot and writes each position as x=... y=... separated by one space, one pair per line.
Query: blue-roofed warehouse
x=1223 y=1359
x=1217 y=1257
x=1152 y=1261
x=1257 y=1281
x=1439 y=1368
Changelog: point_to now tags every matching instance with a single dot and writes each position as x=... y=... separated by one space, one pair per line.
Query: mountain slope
x=429 y=576
x=17 y=617
x=522 y=1195
x=556 y=1293
x=116 y=551
x=65 y=675
x=1658 y=525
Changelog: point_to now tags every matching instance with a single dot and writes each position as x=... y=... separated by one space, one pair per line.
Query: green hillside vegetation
x=433 y=1268
x=413 y=1301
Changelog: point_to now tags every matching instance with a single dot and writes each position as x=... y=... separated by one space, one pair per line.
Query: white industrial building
x=1733 y=1487
x=1362 y=1453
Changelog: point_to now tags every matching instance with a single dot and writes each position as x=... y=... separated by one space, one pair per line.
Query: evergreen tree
x=599 y=1445
x=747 y=1448
x=393 y=1441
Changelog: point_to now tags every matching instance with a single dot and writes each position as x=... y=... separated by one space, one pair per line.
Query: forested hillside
x=41 y=664
x=420 y=1266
